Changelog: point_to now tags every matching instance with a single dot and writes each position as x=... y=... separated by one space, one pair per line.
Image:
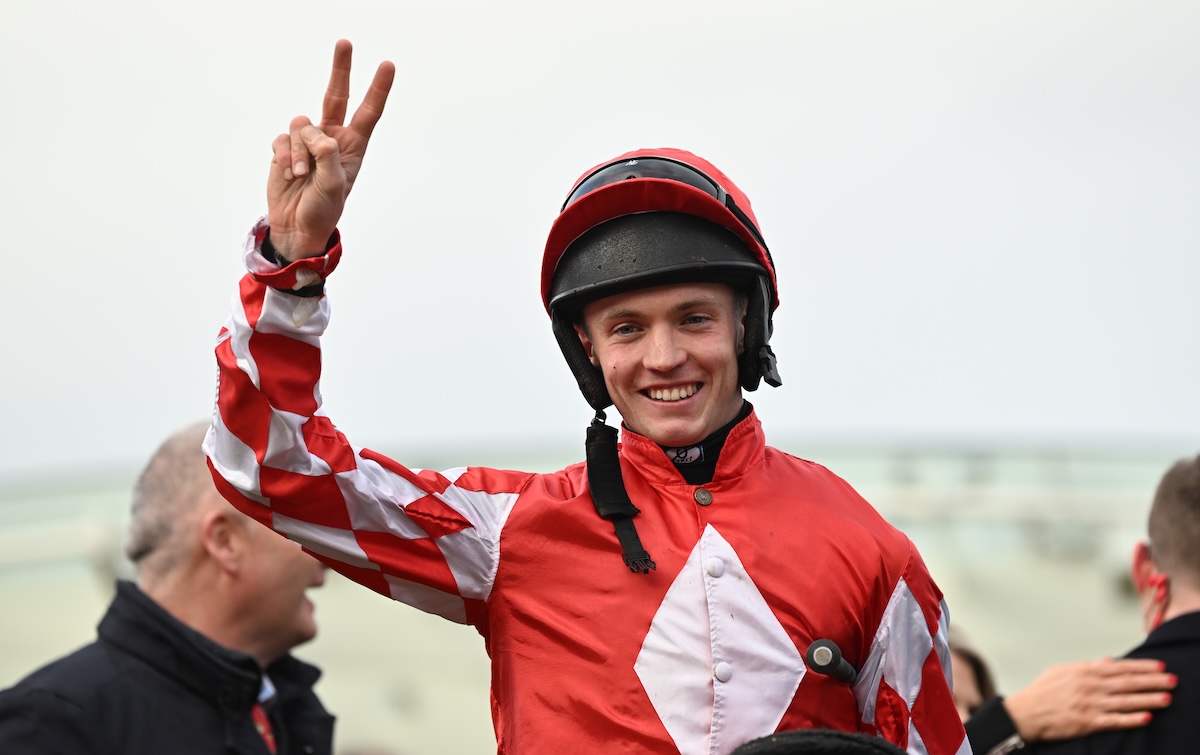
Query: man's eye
x=624 y=330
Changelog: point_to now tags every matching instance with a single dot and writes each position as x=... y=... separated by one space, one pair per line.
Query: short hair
x=166 y=498
x=1174 y=525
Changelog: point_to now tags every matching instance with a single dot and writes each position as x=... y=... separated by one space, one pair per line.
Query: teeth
x=673 y=394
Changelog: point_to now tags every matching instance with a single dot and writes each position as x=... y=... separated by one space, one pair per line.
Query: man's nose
x=664 y=351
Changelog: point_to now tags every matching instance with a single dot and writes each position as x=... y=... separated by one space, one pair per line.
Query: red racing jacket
x=698 y=656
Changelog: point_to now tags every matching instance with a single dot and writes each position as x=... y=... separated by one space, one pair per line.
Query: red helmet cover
x=651 y=195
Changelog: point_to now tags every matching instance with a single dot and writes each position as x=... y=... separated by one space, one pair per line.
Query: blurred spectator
x=1166 y=574
x=194 y=657
x=973 y=682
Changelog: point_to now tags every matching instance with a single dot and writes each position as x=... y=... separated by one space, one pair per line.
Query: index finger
x=369 y=112
x=337 y=94
x=1138 y=675
x=1122 y=666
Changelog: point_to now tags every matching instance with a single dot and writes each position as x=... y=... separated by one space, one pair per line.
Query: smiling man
x=658 y=597
x=668 y=356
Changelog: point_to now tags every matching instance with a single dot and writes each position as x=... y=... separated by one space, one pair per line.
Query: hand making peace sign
x=313 y=168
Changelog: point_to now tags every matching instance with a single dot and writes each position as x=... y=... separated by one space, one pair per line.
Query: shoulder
x=57 y=705
x=837 y=500
x=817 y=474
x=77 y=676
x=1123 y=742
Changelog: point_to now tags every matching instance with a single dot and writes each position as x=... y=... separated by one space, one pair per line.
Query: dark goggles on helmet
x=669 y=169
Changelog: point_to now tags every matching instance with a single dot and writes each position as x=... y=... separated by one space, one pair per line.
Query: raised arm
x=313 y=167
x=428 y=539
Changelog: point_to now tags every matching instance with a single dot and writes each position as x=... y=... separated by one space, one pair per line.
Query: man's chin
x=674 y=435
x=305 y=634
x=306 y=623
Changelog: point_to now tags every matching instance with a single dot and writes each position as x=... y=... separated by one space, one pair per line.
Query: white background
x=984 y=214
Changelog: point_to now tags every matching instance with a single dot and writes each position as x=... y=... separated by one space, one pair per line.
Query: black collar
x=698 y=463
x=142 y=628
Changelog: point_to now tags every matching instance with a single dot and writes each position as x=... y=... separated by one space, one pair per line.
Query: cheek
x=286 y=561
x=301 y=565
x=721 y=361
x=611 y=365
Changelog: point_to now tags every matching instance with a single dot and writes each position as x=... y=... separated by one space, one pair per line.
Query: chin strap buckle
x=769 y=367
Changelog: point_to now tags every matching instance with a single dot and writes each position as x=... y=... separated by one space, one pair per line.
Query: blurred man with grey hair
x=194 y=657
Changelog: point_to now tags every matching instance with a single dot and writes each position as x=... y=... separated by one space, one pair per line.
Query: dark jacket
x=150 y=684
x=1174 y=730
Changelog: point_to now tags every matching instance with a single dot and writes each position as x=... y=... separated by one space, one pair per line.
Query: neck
x=1182 y=601
x=177 y=596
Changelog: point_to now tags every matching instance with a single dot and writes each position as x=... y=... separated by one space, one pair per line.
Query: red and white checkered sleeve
x=426 y=538
x=903 y=689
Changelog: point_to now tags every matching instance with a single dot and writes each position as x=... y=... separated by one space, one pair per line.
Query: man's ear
x=1142 y=569
x=587 y=344
x=222 y=538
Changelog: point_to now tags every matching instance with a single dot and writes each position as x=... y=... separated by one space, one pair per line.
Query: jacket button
x=723 y=672
x=702 y=496
x=714 y=566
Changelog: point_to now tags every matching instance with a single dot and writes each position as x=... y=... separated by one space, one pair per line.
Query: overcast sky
x=985 y=215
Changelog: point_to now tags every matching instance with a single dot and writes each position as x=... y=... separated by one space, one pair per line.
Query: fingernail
x=308 y=133
x=1172 y=679
x=287 y=174
x=300 y=168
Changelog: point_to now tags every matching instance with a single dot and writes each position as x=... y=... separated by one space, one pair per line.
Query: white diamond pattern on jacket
x=717 y=665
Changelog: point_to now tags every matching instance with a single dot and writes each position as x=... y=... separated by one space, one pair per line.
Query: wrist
x=303 y=277
x=283 y=247
x=1023 y=719
x=283 y=254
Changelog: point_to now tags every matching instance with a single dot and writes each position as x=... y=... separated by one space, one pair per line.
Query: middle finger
x=337 y=94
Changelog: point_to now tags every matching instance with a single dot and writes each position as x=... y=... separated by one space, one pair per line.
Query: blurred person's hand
x=1073 y=699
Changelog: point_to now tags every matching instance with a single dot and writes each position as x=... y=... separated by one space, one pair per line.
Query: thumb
x=319 y=145
x=310 y=134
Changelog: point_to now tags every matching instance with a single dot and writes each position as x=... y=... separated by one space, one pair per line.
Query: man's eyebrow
x=618 y=314
x=700 y=301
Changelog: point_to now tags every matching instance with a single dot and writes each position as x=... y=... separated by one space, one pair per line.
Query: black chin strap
x=608 y=492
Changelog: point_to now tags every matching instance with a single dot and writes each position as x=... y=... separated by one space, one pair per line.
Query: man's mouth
x=677 y=393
